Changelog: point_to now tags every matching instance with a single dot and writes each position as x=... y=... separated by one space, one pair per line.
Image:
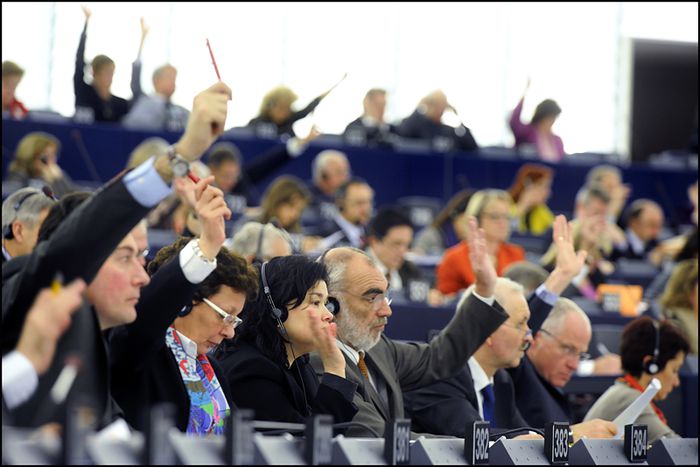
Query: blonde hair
x=28 y=148
x=482 y=198
x=680 y=286
x=154 y=146
x=276 y=96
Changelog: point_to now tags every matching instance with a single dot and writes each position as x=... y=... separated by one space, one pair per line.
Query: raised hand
x=481 y=262
x=211 y=211
x=87 y=12
x=568 y=262
x=206 y=122
x=144 y=28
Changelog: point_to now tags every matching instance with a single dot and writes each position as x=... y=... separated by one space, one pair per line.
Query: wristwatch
x=180 y=165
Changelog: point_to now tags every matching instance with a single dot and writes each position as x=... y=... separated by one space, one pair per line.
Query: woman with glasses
x=267 y=364
x=648 y=350
x=173 y=361
x=492 y=210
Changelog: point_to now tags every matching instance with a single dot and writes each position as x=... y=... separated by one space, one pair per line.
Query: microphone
x=82 y=150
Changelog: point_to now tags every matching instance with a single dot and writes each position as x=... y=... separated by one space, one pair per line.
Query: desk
x=406 y=170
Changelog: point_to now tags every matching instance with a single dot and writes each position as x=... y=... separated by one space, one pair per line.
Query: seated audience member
x=267 y=364
x=11 y=76
x=425 y=123
x=95 y=102
x=155 y=111
x=258 y=242
x=35 y=164
x=530 y=191
x=389 y=235
x=47 y=320
x=370 y=128
x=384 y=368
x=22 y=214
x=354 y=201
x=649 y=350
x=276 y=117
x=644 y=220
x=94 y=242
x=447 y=229
x=609 y=178
x=330 y=169
x=557 y=348
x=492 y=209
x=527 y=274
x=483 y=390
x=538 y=133
x=679 y=301
x=176 y=368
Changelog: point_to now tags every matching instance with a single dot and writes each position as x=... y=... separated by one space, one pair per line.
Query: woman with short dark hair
x=648 y=350
x=267 y=364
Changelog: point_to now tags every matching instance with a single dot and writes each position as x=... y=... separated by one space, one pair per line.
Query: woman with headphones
x=648 y=350
x=267 y=364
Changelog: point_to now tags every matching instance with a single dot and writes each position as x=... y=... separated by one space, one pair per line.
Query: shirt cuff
x=145 y=185
x=585 y=368
x=344 y=386
x=19 y=379
x=546 y=296
x=194 y=268
x=488 y=300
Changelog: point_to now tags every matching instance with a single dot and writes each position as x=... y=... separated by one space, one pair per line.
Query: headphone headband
x=276 y=312
x=653 y=366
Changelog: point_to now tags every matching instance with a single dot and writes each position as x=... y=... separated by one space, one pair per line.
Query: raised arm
x=519 y=128
x=136 y=90
x=79 y=84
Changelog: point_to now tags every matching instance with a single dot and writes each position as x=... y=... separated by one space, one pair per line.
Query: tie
x=363 y=366
x=488 y=404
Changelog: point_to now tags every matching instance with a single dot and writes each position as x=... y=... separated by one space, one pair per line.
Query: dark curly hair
x=231 y=270
x=638 y=340
x=289 y=279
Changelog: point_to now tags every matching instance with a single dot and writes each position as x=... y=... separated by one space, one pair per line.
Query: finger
x=581 y=256
x=222 y=88
x=199 y=189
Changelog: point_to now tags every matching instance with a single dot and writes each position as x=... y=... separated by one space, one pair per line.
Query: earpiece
x=652 y=367
x=185 y=310
x=333 y=305
x=276 y=312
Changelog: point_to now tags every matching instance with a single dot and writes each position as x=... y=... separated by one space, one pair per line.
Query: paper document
x=634 y=410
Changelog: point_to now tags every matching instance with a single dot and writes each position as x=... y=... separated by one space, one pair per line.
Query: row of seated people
x=96 y=103
x=307 y=336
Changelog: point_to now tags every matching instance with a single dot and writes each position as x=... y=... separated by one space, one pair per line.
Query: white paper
x=635 y=409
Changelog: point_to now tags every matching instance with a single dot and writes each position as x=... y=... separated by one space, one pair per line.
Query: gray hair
x=336 y=265
x=321 y=161
x=527 y=274
x=247 y=241
x=24 y=205
x=596 y=173
x=503 y=285
x=153 y=146
x=562 y=308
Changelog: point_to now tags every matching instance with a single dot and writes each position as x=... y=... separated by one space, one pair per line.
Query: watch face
x=180 y=168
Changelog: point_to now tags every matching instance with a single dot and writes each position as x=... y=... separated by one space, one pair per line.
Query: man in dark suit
x=94 y=243
x=384 y=368
x=329 y=171
x=355 y=202
x=370 y=129
x=22 y=214
x=425 y=123
x=644 y=219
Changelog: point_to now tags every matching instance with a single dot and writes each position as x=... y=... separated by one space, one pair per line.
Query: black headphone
x=277 y=314
x=7 y=232
x=188 y=308
x=652 y=367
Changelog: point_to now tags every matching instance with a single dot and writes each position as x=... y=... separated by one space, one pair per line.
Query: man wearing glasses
x=382 y=368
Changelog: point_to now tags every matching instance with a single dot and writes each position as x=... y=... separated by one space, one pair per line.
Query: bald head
x=646 y=219
x=434 y=105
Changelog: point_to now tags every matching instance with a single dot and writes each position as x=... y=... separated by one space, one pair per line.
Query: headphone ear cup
x=7 y=232
x=652 y=367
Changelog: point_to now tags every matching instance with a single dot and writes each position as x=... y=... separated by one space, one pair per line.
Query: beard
x=355 y=333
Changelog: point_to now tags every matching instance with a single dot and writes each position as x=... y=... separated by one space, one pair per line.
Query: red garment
x=631 y=382
x=17 y=109
x=455 y=271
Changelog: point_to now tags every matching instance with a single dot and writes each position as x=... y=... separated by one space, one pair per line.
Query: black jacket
x=418 y=126
x=265 y=127
x=276 y=393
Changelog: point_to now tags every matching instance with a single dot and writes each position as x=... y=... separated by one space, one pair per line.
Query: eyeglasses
x=375 y=302
x=228 y=318
x=568 y=350
x=519 y=327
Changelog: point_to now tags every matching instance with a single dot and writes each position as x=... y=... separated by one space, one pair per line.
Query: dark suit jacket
x=263 y=126
x=77 y=248
x=277 y=393
x=418 y=126
x=357 y=132
x=144 y=370
x=447 y=407
x=401 y=366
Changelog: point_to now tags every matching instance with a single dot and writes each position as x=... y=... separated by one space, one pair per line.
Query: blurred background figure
x=11 y=76
x=276 y=116
x=644 y=220
x=155 y=111
x=95 y=102
x=258 y=242
x=447 y=229
x=35 y=164
x=538 y=133
x=329 y=170
x=641 y=340
x=679 y=301
x=22 y=214
x=609 y=178
x=370 y=128
x=492 y=210
x=530 y=191
x=425 y=123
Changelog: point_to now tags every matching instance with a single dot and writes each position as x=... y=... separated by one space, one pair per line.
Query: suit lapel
x=378 y=366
